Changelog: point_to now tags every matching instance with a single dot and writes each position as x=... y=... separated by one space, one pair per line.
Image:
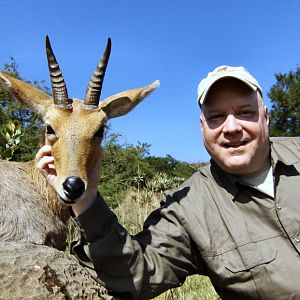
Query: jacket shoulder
x=286 y=149
x=193 y=187
x=286 y=140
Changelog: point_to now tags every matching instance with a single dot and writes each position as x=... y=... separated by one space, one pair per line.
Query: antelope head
x=74 y=127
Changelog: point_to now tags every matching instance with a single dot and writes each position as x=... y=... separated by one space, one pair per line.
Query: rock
x=30 y=271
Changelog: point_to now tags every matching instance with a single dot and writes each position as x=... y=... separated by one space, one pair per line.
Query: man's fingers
x=51 y=166
x=44 y=151
x=45 y=163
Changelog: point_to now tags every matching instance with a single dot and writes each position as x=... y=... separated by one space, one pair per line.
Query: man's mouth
x=235 y=144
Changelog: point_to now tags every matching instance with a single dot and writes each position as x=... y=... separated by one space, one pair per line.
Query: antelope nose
x=73 y=188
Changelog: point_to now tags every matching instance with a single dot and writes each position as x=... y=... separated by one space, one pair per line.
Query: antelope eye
x=100 y=132
x=49 y=130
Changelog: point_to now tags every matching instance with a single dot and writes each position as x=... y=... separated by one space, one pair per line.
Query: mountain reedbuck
x=30 y=210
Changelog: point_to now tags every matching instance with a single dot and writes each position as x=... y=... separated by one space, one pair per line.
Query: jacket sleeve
x=135 y=267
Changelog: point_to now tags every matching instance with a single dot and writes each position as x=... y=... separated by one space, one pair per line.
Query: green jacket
x=247 y=242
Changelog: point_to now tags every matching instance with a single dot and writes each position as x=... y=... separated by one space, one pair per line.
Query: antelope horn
x=93 y=91
x=59 y=89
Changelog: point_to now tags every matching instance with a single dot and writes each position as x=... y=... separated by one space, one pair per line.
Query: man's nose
x=232 y=124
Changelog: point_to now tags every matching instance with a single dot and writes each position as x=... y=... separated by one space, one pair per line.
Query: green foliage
x=285 y=112
x=125 y=166
x=11 y=112
x=121 y=165
x=11 y=133
x=170 y=166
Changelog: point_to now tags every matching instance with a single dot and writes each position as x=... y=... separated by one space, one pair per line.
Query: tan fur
x=30 y=96
x=49 y=195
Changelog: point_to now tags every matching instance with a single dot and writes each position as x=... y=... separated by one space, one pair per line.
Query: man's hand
x=45 y=163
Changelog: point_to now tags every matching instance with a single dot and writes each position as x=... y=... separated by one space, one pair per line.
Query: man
x=236 y=220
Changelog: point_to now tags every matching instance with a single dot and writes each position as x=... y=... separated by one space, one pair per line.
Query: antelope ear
x=31 y=97
x=122 y=103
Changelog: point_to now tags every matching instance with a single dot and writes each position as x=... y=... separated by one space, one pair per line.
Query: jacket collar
x=224 y=179
x=285 y=150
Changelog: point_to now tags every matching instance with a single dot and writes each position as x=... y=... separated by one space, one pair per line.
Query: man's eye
x=215 y=118
x=49 y=130
x=246 y=113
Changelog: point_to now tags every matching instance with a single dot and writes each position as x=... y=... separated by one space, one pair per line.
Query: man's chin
x=237 y=165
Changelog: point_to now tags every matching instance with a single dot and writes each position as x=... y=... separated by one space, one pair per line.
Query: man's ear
x=201 y=121
x=266 y=114
x=30 y=96
x=122 y=103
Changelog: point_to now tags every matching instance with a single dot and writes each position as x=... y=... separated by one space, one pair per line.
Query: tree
x=285 y=97
x=170 y=165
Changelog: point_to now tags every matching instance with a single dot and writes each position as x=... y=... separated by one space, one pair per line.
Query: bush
x=10 y=141
x=125 y=166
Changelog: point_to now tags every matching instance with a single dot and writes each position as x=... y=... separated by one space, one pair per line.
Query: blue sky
x=177 y=42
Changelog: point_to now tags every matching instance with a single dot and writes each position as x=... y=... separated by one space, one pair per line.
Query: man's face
x=234 y=123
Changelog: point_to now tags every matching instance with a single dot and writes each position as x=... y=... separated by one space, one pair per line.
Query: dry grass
x=131 y=213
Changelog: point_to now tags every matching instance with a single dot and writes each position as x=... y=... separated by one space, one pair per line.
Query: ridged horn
x=59 y=89
x=93 y=91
